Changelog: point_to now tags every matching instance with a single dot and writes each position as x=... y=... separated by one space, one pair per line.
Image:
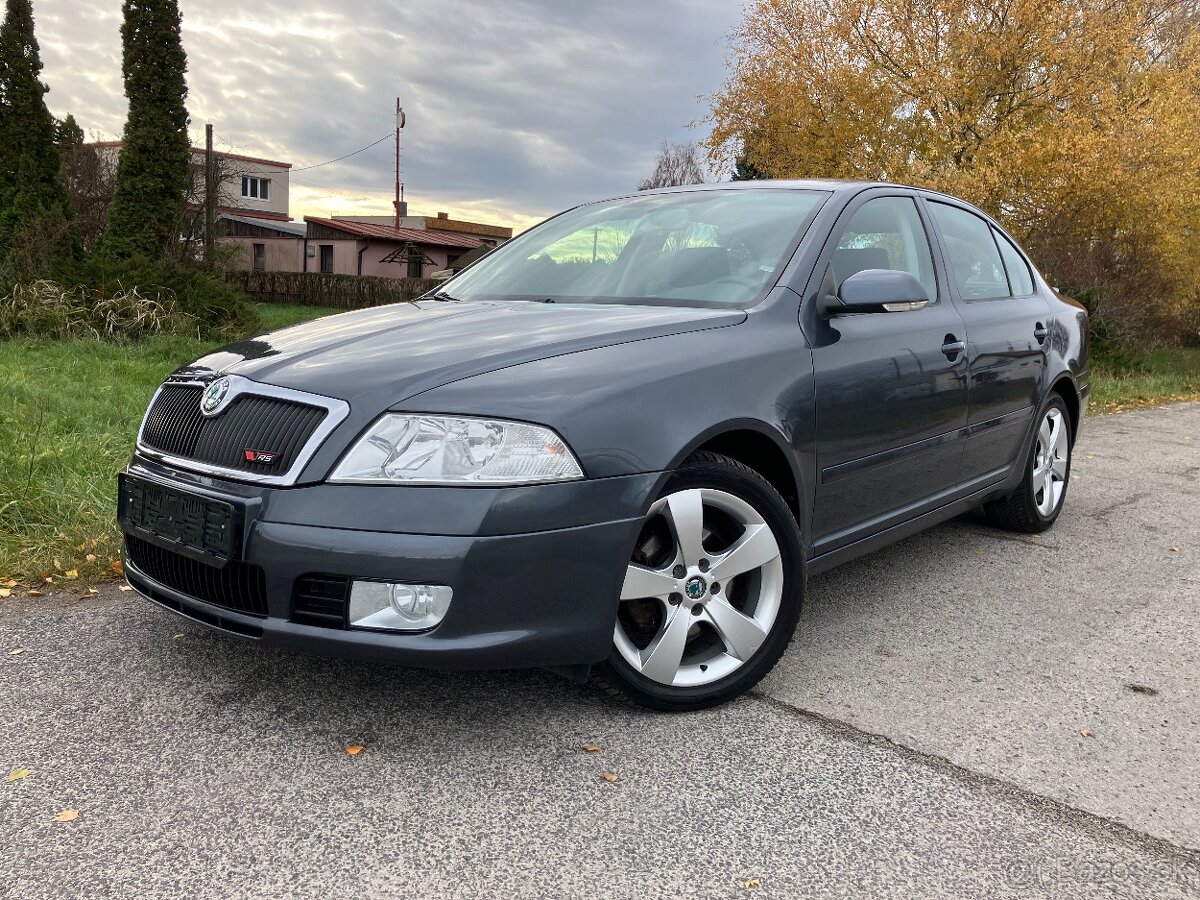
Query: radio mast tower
x=399 y=202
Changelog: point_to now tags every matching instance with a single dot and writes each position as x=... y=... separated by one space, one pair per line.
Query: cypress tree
x=747 y=171
x=33 y=204
x=67 y=133
x=152 y=173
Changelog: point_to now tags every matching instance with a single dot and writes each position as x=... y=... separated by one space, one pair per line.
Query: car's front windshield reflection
x=712 y=246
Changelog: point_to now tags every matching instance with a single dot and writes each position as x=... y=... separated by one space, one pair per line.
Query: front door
x=1008 y=323
x=891 y=395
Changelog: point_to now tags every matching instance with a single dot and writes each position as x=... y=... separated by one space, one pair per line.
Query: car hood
x=401 y=350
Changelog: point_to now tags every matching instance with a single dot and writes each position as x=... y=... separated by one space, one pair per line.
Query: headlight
x=419 y=449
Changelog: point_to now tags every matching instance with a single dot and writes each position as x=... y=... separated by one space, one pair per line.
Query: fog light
x=387 y=606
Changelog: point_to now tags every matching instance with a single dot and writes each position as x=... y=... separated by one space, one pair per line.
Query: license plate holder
x=203 y=528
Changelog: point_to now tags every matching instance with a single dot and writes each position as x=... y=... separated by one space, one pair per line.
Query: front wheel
x=713 y=591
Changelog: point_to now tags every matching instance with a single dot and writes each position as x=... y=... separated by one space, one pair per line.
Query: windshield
x=707 y=246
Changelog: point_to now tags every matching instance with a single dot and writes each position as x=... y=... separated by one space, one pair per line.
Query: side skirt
x=881 y=539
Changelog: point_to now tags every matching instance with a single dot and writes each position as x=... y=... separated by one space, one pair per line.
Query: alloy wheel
x=1050 y=459
x=703 y=590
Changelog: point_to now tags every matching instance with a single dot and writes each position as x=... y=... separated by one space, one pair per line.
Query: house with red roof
x=357 y=245
x=373 y=245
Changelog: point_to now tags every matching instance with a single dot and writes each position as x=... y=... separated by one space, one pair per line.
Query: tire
x=1035 y=504
x=713 y=592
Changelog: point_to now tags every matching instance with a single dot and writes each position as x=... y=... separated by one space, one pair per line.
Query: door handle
x=1040 y=333
x=952 y=347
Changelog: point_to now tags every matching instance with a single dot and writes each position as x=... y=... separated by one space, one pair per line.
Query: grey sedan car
x=619 y=443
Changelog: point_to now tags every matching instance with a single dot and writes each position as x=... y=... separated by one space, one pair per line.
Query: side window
x=974 y=260
x=885 y=233
x=1018 y=269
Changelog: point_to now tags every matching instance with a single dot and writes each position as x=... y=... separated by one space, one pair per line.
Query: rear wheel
x=712 y=593
x=1035 y=505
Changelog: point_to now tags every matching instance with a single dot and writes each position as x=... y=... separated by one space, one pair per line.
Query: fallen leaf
x=124 y=587
x=5 y=593
x=16 y=652
x=178 y=636
x=67 y=815
x=33 y=593
x=49 y=580
x=91 y=557
x=18 y=774
x=752 y=883
x=117 y=566
x=1085 y=732
x=355 y=749
x=93 y=591
x=10 y=583
x=57 y=564
x=1174 y=549
x=72 y=573
x=592 y=748
x=610 y=777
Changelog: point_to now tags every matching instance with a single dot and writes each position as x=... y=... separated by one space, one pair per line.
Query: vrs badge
x=214 y=396
x=263 y=457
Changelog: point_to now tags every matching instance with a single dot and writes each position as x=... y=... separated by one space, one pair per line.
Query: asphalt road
x=922 y=738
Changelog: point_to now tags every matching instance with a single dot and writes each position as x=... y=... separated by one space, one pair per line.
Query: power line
x=347 y=156
x=327 y=162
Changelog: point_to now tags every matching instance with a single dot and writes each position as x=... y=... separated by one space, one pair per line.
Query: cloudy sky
x=515 y=109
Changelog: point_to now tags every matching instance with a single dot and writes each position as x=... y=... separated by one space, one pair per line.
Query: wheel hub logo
x=695 y=587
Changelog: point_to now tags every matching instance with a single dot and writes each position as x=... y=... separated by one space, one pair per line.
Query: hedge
x=320 y=289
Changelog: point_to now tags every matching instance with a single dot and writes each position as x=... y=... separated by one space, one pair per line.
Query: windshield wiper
x=443 y=296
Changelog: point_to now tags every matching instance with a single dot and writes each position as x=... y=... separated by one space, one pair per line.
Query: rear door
x=890 y=386
x=1007 y=323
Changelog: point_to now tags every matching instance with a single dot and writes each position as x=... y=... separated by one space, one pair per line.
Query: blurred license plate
x=177 y=519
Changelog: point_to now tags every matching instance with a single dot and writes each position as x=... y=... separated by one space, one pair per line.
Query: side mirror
x=874 y=290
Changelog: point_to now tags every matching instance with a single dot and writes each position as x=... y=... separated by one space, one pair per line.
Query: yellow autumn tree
x=1076 y=123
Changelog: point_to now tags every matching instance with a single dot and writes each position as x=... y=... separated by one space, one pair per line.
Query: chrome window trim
x=336 y=412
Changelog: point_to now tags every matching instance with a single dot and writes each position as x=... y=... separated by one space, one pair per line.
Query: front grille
x=175 y=426
x=240 y=587
x=321 y=600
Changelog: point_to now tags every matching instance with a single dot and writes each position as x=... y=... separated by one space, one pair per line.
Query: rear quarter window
x=1019 y=276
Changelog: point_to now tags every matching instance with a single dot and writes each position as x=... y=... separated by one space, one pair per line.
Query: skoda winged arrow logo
x=214 y=397
x=695 y=587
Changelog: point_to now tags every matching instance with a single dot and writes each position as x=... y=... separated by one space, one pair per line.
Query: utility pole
x=399 y=184
x=210 y=195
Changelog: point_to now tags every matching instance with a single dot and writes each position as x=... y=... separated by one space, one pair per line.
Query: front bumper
x=536 y=571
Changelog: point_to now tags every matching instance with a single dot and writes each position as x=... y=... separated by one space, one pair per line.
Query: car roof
x=835 y=186
x=817 y=184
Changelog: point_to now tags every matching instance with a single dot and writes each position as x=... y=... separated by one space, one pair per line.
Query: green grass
x=69 y=412
x=1160 y=376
